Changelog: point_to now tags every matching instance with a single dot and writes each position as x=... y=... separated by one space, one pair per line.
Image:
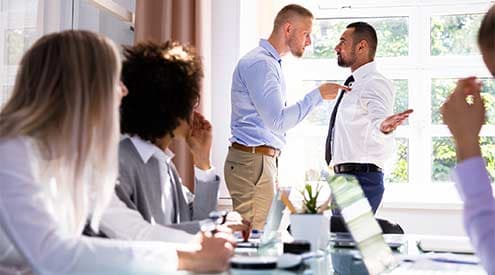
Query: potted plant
x=311 y=224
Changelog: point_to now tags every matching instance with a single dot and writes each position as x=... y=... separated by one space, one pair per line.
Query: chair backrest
x=337 y=225
x=389 y=227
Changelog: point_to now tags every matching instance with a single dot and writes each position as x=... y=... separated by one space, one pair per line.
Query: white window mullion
x=419 y=90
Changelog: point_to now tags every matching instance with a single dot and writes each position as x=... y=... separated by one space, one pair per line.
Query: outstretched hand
x=392 y=122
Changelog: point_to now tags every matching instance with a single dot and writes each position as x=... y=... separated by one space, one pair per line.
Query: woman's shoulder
x=16 y=155
x=11 y=146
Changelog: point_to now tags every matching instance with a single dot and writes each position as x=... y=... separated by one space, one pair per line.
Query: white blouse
x=32 y=237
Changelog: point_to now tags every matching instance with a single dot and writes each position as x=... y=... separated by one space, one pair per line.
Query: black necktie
x=328 y=147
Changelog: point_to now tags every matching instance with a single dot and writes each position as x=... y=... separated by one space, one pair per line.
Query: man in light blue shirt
x=260 y=115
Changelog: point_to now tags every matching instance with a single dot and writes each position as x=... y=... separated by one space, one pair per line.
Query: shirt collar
x=364 y=70
x=146 y=150
x=267 y=46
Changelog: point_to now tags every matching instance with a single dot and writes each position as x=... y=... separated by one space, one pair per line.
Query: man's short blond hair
x=288 y=12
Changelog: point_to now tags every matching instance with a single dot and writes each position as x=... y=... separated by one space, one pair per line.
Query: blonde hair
x=288 y=12
x=65 y=99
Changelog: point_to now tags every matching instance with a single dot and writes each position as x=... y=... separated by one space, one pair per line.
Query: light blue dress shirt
x=474 y=187
x=260 y=115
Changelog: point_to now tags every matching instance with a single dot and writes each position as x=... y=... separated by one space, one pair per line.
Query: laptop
x=270 y=230
x=345 y=240
x=375 y=254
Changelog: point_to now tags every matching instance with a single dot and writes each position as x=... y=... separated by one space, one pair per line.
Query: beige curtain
x=183 y=21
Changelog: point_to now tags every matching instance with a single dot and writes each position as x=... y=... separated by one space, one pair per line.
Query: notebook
x=446 y=244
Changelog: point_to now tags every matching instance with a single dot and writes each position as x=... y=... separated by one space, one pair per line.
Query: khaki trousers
x=250 y=179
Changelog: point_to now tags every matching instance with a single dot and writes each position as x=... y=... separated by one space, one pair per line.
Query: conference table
x=348 y=261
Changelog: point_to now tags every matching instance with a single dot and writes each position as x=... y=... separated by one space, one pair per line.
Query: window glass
x=444 y=157
x=454 y=34
x=392 y=35
x=443 y=87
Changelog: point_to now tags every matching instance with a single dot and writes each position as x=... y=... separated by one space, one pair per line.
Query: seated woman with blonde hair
x=59 y=136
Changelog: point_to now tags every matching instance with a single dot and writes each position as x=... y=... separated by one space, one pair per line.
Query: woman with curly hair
x=164 y=88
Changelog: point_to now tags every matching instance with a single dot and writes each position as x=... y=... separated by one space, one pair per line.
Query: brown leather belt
x=262 y=149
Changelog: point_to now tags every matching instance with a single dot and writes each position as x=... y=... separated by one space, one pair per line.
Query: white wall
x=237 y=26
x=418 y=220
x=224 y=55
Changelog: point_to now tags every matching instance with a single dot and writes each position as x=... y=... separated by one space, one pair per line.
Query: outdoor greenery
x=442 y=87
x=444 y=158
x=400 y=169
x=450 y=35
x=454 y=34
x=17 y=42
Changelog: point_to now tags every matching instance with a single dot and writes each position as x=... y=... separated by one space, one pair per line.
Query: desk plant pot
x=313 y=228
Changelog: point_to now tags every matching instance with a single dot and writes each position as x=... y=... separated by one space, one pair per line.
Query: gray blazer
x=140 y=189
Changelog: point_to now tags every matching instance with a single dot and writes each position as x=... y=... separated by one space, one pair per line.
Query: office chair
x=337 y=225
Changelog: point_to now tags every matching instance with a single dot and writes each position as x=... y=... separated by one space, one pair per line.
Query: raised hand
x=329 y=91
x=199 y=141
x=392 y=122
x=465 y=119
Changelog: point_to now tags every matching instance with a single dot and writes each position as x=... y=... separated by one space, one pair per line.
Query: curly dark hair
x=164 y=86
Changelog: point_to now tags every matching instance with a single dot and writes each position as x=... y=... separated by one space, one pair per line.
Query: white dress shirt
x=33 y=234
x=358 y=138
x=121 y=222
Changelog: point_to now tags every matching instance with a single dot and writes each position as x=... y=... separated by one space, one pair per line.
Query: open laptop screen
x=357 y=215
x=272 y=224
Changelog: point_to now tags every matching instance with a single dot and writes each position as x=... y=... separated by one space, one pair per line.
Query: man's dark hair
x=364 y=31
x=164 y=86
x=486 y=33
x=289 y=11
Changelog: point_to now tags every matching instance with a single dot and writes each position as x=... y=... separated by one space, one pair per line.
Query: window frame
x=419 y=68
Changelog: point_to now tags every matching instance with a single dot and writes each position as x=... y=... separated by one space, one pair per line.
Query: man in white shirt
x=359 y=137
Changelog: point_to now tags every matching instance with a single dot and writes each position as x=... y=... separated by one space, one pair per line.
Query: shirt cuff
x=205 y=175
x=472 y=179
x=380 y=136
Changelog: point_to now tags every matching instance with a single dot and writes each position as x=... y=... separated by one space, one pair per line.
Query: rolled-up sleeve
x=264 y=86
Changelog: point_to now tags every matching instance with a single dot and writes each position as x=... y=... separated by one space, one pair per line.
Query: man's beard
x=295 y=51
x=298 y=53
x=346 y=63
